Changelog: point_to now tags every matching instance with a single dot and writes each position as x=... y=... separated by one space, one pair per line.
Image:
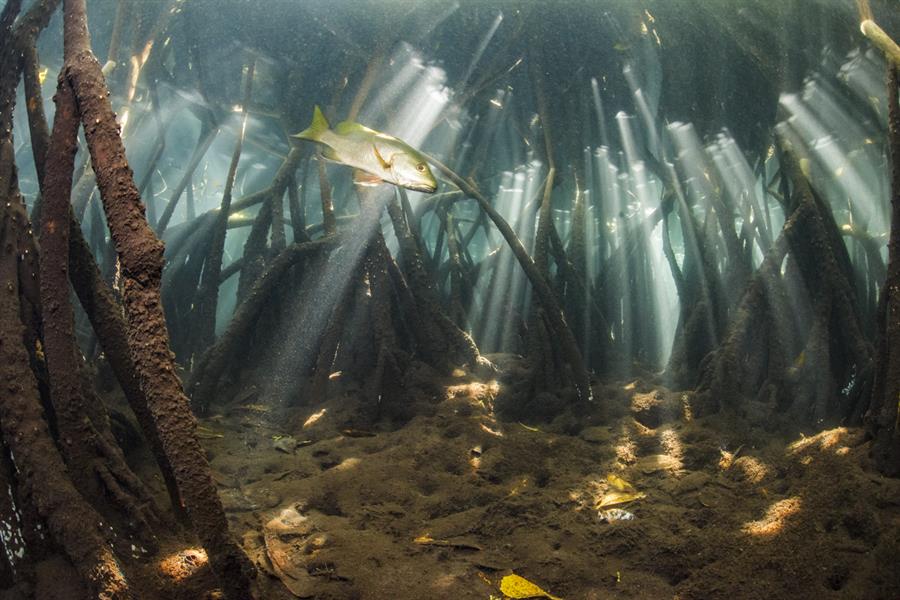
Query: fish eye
x=420 y=167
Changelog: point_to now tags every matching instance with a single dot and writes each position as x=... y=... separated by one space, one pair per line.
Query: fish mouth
x=428 y=188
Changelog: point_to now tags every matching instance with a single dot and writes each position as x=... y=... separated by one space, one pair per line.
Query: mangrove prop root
x=42 y=475
x=207 y=137
x=883 y=414
x=255 y=250
x=545 y=295
x=208 y=293
x=140 y=254
x=212 y=364
x=78 y=435
x=442 y=343
x=37 y=122
x=105 y=315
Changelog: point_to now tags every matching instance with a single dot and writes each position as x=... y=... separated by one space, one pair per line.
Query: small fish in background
x=615 y=514
x=377 y=157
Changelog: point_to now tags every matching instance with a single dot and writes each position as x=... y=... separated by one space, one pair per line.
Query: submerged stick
x=207 y=136
x=325 y=189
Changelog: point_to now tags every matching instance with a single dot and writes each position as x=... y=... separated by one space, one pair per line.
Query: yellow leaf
x=619 y=483
x=42 y=75
x=616 y=497
x=519 y=587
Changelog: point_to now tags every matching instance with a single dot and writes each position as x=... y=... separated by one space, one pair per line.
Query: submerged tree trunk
x=141 y=256
x=884 y=411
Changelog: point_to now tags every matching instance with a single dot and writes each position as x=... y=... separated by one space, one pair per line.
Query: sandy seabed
x=450 y=501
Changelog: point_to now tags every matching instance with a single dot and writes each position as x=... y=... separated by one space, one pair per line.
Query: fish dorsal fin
x=384 y=164
x=315 y=130
x=345 y=127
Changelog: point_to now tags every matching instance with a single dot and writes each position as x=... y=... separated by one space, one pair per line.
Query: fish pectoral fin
x=328 y=153
x=384 y=164
x=365 y=178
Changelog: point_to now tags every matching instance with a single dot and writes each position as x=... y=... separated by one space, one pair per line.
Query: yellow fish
x=380 y=156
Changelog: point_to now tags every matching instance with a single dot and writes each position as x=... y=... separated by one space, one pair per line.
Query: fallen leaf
x=515 y=586
x=619 y=483
x=616 y=497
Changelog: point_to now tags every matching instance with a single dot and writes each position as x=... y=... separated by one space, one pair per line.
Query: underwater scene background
x=389 y=299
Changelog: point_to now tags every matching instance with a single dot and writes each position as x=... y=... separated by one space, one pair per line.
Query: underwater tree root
x=140 y=254
x=42 y=475
x=703 y=307
x=439 y=339
x=105 y=316
x=750 y=360
x=94 y=295
x=203 y=329
x=545 y=295
x=884 y=412
x=82 y=421
x=211 y=366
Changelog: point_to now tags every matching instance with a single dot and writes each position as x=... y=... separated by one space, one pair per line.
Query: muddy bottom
x=449 y=503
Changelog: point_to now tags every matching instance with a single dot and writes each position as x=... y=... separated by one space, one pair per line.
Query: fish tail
x=318 y=126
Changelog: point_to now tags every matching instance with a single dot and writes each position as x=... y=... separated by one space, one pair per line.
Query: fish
x=377 y=157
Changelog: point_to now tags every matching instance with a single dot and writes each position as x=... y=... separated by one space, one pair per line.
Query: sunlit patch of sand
x=658 y=462
x=444 y=582
x=671 y=443
x=183 y=564
x=476 y=392
x=838 y=439
x=348 y=464
x=626 y=450
x=751 y=469
x=687 y=410
x=775 y=518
